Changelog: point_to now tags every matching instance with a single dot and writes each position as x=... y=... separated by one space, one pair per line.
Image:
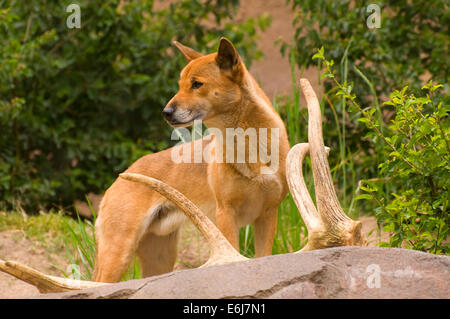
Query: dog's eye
x=196 y=85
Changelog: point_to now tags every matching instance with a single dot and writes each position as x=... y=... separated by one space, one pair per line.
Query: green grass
x=59 y=233
x=48 y=229
x=81 y=248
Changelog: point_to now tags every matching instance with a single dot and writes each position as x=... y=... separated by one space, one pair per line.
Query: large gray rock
x=343 y=272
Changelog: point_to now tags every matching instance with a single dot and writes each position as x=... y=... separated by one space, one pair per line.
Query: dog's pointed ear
x=228 y=57
x=189 y=54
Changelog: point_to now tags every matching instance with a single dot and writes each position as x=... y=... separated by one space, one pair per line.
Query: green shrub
x=77 y=106
x=411 y=45
x=412 y=189
x=417 y=165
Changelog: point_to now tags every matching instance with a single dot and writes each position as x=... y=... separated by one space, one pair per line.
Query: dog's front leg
x=265 y=228
x=226 y=222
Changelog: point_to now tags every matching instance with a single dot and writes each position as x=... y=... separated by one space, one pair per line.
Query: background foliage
x=390 y=159
x=411 y=43
x=417 y=167
x=410 y=47
x=79 y=105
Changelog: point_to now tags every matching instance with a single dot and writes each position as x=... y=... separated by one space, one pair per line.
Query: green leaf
x=364 y=196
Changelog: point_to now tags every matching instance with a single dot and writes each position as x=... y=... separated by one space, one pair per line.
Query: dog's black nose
x=168 y=111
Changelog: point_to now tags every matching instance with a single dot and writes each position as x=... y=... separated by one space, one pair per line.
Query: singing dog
x=134 y=220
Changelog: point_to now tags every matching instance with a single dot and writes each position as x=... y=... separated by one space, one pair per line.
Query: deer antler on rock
x=45 y=283
x=328 y=225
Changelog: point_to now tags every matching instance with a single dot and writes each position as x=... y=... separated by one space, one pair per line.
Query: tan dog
x=218 y=89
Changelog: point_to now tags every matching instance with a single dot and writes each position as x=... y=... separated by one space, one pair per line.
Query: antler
x=45 y=283
x=328 y=225
x=222 y=251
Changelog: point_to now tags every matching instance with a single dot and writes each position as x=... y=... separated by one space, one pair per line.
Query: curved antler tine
x=302 y=198
x=340 y=229
x=45 y=283
x=221 y=250
x=297 y=186
x=325 y=195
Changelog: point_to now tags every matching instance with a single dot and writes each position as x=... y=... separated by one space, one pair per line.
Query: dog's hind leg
x=119 y=226
x=114 y=255
x=116 y=247
x=157 y=254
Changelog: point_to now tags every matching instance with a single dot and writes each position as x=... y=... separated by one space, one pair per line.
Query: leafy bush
x=411 y=43
x=78 y=106
x=417 y=165
x=410 y=46
x=414 y=164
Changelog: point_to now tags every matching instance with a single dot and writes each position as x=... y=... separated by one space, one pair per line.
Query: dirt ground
x=13 y=246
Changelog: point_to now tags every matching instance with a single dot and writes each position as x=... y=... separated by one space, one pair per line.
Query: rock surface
x=343 y=272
